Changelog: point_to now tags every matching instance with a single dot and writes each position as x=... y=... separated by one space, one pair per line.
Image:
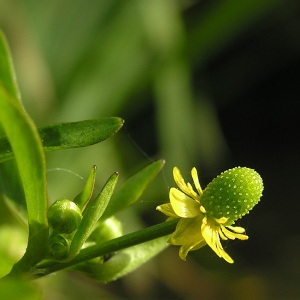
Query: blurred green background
x=211 y=84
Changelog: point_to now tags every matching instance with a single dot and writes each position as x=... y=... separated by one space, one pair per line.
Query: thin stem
x=108 y=247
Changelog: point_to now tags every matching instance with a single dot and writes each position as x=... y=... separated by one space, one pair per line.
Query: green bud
x=232 y=194
x=106 y=230
x=59 y=246
x=64 y=216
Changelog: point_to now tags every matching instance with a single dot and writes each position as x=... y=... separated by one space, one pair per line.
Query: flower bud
x=64 y=216
x=58 y=247
x=232 y=194
x=108 y=229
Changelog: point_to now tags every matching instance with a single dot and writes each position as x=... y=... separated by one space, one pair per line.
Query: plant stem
x=108 y=247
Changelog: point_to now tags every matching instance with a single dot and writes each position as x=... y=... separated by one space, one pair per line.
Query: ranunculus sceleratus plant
x=83 y=234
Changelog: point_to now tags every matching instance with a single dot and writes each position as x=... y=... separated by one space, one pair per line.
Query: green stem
x=108 y=247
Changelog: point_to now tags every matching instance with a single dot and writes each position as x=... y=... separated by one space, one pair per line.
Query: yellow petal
x=188 y=235
x=184 y=249
x=186 y=188
x=167 y=210
x=196 y=180
x=188 y=231
x=183 y=205
x=222 y=235
x=199 y=245
x=211 y=235
x=236 y=229
x=232 y=235
x=226 y=256
x=190 y=191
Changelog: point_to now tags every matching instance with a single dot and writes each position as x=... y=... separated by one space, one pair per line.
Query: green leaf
x=79 y=134
x=92 y=214
x=124 y=261
x=27 y=147
x=132 y=189
x=10 y=183
x=84 y=197
x=70 y=135
x=12 y=190
x=7 y=72
x=26 y=144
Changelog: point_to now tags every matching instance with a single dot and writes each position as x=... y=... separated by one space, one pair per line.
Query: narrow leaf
x=10 y=182
x=132 y=189
x=27 y=147
x=91 y=215
x=84 y=197
x=29 y=155
x=79 y=134
x=12 y=190
x=7 y=72
x=124 y=261
x=70 y=135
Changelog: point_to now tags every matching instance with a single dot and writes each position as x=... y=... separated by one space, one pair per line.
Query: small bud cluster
x=64 y=216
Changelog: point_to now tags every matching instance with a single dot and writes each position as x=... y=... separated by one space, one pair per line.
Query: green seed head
x=232 y=194
x=64 y=216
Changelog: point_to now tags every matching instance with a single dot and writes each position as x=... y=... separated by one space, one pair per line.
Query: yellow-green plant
x=83 y=233
x=57 y=234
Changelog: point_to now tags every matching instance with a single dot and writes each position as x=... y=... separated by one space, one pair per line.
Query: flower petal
x=188 y=235
x=184 y=249
x=223 y=253
x=232 y=235
x=186 y=231
x=186 y=188
x=236 y=229
x=196 y=181
x=222 y=235
x=167 y=210
x=183 y=205
x=211 y=235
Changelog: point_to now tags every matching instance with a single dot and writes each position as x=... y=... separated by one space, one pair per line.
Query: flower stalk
x=108 y=247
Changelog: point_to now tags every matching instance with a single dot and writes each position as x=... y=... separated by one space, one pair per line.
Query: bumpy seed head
x=64 y=216
x=232 y=194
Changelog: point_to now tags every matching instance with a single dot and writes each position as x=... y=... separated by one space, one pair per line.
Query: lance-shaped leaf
x=10 y=183
x=27 y=147
x=84 y=197
x=12 y=190
x=7 y=72
x=132 y=189
x=70 y=135
x=79 y=134
x=91 y=215
x=124 y=261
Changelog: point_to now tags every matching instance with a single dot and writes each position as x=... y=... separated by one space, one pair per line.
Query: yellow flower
x=207 y=216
